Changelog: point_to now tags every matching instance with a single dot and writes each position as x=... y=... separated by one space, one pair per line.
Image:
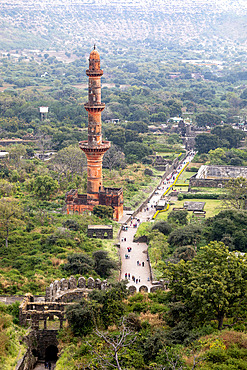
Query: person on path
x=49 y=365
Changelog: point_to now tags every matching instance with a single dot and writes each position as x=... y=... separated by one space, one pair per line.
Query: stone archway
x=132 y=289
x=143 y=289
x=51 y=353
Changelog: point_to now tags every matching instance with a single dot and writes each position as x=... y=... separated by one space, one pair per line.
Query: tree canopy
x=210 y=287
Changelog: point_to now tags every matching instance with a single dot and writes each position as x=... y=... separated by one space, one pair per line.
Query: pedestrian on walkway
x=142 y=264
x=137 y=263
x=49 y=365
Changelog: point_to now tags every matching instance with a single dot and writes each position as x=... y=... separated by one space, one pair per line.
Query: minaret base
x=113 y=197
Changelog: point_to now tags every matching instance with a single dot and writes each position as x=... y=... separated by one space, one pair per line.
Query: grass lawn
x=184 y=178
x=210 y=190
x=212 y=207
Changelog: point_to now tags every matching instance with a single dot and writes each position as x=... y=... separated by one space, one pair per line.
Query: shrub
x=79 y=263
x=163 y=227
x=216 y=355
x=179 y=217
x=80 y=317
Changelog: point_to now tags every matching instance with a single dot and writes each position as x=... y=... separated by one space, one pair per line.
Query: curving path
x=139 y=274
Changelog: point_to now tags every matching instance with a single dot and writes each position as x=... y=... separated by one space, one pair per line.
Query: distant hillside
x=40 y=24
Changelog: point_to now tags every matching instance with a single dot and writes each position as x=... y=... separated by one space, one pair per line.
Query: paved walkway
x=41 y=365
x=139 y=274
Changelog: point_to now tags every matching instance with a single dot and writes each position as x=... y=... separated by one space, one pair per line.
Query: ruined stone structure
x=71 y=290
x=95 y=148
x=216 y=176
x=45 y=319
x=100 y=231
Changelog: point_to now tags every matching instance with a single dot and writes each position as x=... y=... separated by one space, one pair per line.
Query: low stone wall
x=207 y=183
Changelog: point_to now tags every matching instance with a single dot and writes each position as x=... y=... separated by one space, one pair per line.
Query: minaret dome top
x=94 y=55
x=94 y=64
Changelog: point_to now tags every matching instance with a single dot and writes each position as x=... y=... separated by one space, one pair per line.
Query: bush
x=103 y=264
x=103 y=211
x=148 y=172
x=79 y=263
x=199 y=196
x=80 y=317
x=163 y=226
x=71 y=224
x=179 y=217
x=216 y=355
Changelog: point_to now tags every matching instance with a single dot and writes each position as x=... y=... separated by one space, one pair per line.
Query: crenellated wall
x=68 y=290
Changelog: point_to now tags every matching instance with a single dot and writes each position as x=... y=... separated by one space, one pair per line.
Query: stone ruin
x=216 y=176
x=70 y=290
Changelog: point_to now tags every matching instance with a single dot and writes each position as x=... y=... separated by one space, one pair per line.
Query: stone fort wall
x=69 y=290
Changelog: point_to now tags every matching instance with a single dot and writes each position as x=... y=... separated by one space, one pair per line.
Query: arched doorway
x=51 y=353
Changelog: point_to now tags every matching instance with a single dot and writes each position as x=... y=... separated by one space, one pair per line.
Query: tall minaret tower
x=94 y=147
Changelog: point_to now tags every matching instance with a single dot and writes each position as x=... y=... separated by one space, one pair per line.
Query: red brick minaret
x=94 y=147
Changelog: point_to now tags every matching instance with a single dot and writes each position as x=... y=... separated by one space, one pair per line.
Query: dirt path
x=139 y=274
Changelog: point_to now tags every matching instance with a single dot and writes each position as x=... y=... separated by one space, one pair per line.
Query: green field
x=212 y=207
x=210 y=190
x=184 y=178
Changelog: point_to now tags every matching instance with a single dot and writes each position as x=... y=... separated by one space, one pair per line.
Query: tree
x=179 y=217
x=228 y=135
x=6 y=188
x=69 y=161
x=114 y=158
x=163 y=227
x=112 y=305
x=185 y=253
x=158 y=246
x=103 y=264
x=138 y=126
x=206 y=142
x=212 y=286
x=139 y=150
x=44 y=143
x=16 y=153
x=44 y=186
x=102 y=211
x=79 y=263
x=236 y=194
x=217 y=156
x=81 y=317
x=188 y=235
x=115 y=343
x=10 y=216
x=229 y=226
x=207 y=119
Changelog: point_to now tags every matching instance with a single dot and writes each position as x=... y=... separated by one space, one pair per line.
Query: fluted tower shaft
x=94 y=147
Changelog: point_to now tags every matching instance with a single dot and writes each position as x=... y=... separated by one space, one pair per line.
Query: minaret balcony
x=94 y=73
x=91 y=147
x=95 y=107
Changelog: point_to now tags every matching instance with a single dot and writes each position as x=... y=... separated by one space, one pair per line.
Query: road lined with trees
x=135 y=265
